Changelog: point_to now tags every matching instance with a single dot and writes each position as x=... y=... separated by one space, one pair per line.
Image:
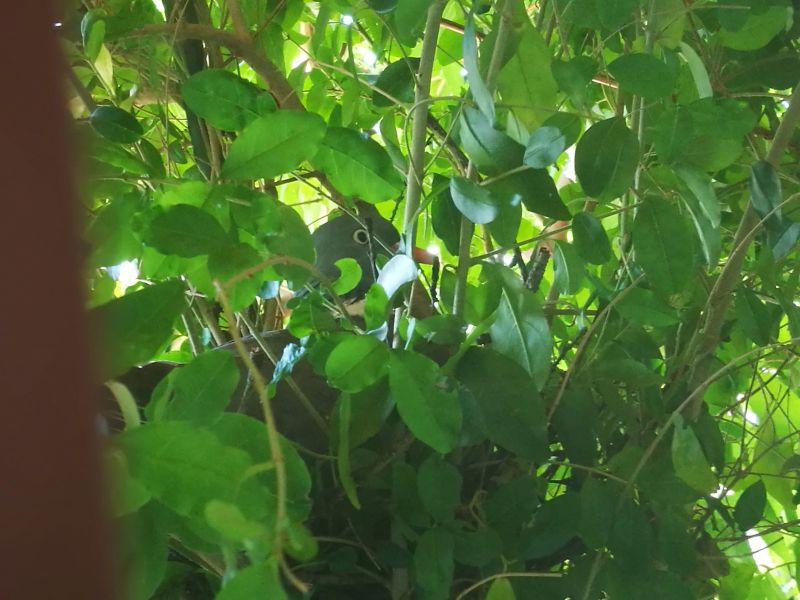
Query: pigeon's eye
x=360 y=236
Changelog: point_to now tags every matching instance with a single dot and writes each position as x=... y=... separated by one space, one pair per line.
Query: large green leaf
x=590 y=238
x=765 y=192
x=568 y=268
x=439 y=485
x=274 y=144
x=202 y=389
x=397 y=80
x=758 y=29
x=688 y=459
x=643 y=75
x=474 y=201
x=664 y=246
x=535 y=188
x=255 y=581
x=492 y=151
x=186 y=231
x=224 y=99
x=510 y=406
x=750 y=506
x=520 y=330
x=132 y=328
x=116 y=124
x=606 y=159
x=357 y=166
x=357 y=362
x=428 y=409
x=433 y=563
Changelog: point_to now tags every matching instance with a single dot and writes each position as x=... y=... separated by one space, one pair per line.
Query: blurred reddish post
x=54 y=540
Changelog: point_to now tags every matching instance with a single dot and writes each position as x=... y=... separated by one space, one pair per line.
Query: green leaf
x=225 y=100
x=753 y=316
x=186 y=467
x=229 y=261
x=228 y=520
x=555 y=524
x=274 y=144
x=615 y=14
x=574 y=76
x=115 y=124
x=186 y=231
x=439 y=484
x=525 y=82
x=445 y=217
x=202 y=389
x=481 y=94
x=397 y=80
x=357 y=166
x=750 y=506
x=568 y=268
x=708 y=234
x=520 y=330
x=501 y=589
x=409 y=19
x=350 y=275
x=664 y=246
x=368 y=413
x=93 y=32
x=111 y=233
x=688 y=459
x=343 y=468
x=477 y=548
x=260 y=580
x=574 y=423
x=535 y=188
x=642 y=75
x=429 y=410
x=512 y=411
x=491 y=151
x=433 y=563
x=590 y=239
x=132 y=328
x=698 y=70
x=475 y=202
x=357 y=362
x=544 y=146
x=759 y=29
x=700 y=185
x=642 y=307
x=606 y=159
x=765 y=191
x=375 y=307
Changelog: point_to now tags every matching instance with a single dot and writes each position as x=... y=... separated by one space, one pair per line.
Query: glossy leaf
x=642 y=75
x=115 y=124
x=501 y=589
x=357 y=166
x=568 y=268
x=397 y=80
x=535 y=188
x=274 y=144
x=606 y=159
x=510 y=406
x=477 y=87
x=590 y=239
x=132 y=328
x=492 y=151
x=185 y=231
x=765 y=191
x=357 y=362
x=689 y=460
x=750 y=506
x=428 y=409
x=225 y=100
x=664 y=246
x=474 y=201
x=544 y=146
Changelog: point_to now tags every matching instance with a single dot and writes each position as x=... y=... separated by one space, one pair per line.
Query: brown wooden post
x=54 y=539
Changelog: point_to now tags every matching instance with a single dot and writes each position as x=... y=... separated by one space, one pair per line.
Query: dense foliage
x=604 y=401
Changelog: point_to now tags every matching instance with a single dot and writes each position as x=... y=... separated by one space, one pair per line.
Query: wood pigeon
x=362 y=239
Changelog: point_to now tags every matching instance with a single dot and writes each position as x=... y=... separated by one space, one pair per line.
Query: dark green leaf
x=615 y=14
x=535 y=188
x=202 y=389
x=765 y=191
x=606 y=159
x=343 y=467
x=255 y=581
x=477 y=548
x=445 y=217
x=274 y=144
x=750 y=506
x=429 y=410
x=132 y=328
x=520 y=329
x=512 y=410
x=369 y=410
x=689 y=460
x=590 y=239
x=568 y=268
x=555 y=524
x=186 y=231
x=231 y=260
x=481 y=94
x=642 y=307
x=439 y=485
x=492 y=151
x=223 y=99
x=544 y=146
x=664 y=246
x=357 y=166
x=642 y=75
x=753 y=316
x=115 y=124
x=433 y=563
x=397 y=80
x=475 y=202
x=574 y=76
x=357 y=362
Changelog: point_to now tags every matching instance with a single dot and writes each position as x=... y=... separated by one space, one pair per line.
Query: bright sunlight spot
x=125 y=273
x=433 y=249
x=347 y=20
x=159 y=4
